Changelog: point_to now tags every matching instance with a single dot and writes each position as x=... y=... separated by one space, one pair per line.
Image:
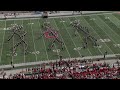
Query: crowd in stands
x=75 y=69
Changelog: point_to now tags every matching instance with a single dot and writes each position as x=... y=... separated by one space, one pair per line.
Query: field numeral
x=37 y=52
x=57 y=50
x=116 y=45
x=104 y=40
x=78 y=48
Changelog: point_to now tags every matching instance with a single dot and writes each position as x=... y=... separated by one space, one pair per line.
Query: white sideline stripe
x=2 y=44
x=81 y=38
x=33 y=41
x=43 y=40
x=98 y=35
x=66 y=59
x=70 y=37
x=60 y=16
x=62 y=38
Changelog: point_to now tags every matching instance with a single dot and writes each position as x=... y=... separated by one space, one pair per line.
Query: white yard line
x=33 y=41
x=81 y=38
x=100 y=51
x=2 y=44
x=107 y=34
x=118 y=22
x=13 y=46
x=115 y=25
x=57 y=52
x=98 y=35
x=62 y=39
x=70 y=37
x=43 y=41
x=23 y=38
x=108 y=26
x=55 y=45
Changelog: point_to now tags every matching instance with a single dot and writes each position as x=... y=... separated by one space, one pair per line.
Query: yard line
x=82 y=39
x=24 y=45
x=118 y=22
x=33 y=41
x=115 y=25
x=106 y=34
x=2 y=43
x=110 y=27
x=98 y=35
x=43 y=41
x=13 y=46
x=70 y=37
x=57 y=52
x=97 y=47
x=55 y=45
x=62 y=38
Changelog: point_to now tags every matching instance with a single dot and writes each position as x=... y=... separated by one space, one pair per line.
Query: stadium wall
x=35 y=14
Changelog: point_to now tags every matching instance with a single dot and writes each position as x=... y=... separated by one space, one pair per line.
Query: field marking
x=43 y=40
x=57 y=52
x=114 y=23
x=117 y=24
x=116 y=18
x=13 y=45
x=55 y=45
x=109 y=28
x=81 y=37
x=70 y=37
x=92 y=28
x=24 y=39
x=33 y=40
x=98 y=35
x=107 y=34
x=105 y=40
x=2 y=44
x=62 y=38
x=116 y=45
x=4 y=29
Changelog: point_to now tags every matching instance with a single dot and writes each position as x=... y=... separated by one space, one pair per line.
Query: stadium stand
x=75 y=69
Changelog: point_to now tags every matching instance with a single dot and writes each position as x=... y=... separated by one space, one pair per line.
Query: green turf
x=100 y=28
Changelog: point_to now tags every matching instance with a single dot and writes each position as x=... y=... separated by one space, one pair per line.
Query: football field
x=105 y=28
